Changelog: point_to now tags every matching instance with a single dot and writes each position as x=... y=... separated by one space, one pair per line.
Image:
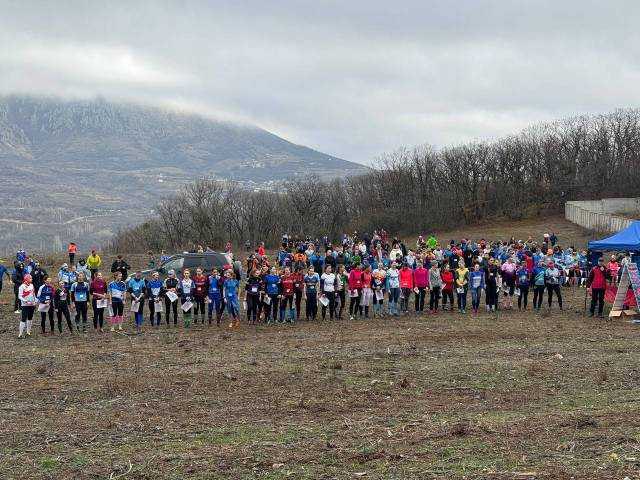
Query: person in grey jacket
x=435 y=285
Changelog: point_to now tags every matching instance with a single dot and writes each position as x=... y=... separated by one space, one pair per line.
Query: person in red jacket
x=406 y=285
x=200 y=294
x=597 y=280
x=98 y=291
x=421 y=282
x=288 y=288
x=447 y=286
x=355 y=290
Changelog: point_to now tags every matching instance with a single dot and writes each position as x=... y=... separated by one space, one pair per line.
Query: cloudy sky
x=351 y=78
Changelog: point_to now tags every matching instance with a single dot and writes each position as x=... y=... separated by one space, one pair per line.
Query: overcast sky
x=351 y=78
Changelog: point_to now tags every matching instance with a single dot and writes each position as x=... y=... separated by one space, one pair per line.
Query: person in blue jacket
x=155 y=294
x=136 y=288
x=231 y=287
x=476 y=285
x=215 y=296
x=45 y=297
x=273 y=291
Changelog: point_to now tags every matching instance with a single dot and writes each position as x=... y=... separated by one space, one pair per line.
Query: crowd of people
x=359 y=277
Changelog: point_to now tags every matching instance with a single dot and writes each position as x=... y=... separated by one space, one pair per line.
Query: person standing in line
x=538 y=276
x=199 y=295
x=17 y=277
x=98 y=291
x=311 y=282
x=328 y=288
x=80 y=296
x=27 y=296
x=186 y=288
x=597 y=281
x=216 y=302
x=476 y=281
x=355 y=290
x=61 y=303
x=155 y=292
x=448 y=281
x=421 y=282
x=522 y=282
x=136 y=288
x=253 y=289
x=462 y=285
x=231 y=287
x=46 y=293
x=171 y=285
x=552 y=280
x=94 y=262
x=117 y=291
x=435 y=285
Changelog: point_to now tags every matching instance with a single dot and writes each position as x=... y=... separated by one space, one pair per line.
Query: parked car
x=207 y=261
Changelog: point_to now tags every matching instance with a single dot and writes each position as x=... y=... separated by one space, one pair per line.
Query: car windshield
x=175 y=264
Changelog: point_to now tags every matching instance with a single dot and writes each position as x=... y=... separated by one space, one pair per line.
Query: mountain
x=82 y=169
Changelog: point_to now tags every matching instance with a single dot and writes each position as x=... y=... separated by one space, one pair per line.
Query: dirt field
x=512 y=395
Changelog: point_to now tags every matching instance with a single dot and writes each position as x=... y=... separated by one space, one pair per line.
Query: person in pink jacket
x=421 y=282
x=355 y=289
x=406 y=285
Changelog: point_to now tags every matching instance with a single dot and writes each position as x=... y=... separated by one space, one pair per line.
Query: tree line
x=412 y=189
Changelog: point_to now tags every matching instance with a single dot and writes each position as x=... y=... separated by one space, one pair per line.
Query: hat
x=64 y=265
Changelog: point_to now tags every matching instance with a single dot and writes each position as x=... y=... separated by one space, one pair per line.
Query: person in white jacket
x=27 y=297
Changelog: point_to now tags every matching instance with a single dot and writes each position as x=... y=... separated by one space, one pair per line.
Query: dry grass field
x=501 y=396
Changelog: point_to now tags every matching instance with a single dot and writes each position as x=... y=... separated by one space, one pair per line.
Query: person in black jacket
x=17 y=277
x=119 y=265
x=38 y=276
x=61 y=304
x=253 y=289
x=171 y=285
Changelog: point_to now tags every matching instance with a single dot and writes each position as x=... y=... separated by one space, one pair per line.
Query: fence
x=606 y=215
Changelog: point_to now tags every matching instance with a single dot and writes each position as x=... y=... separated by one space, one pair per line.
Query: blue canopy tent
x=627 y=240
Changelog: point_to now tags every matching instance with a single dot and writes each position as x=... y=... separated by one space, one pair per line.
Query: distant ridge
x=105 y=164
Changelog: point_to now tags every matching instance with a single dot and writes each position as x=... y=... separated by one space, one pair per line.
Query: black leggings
x=63 y=309
x=434 y=298
x=538 y=293
x=81 y=314
x=16 y=302
x=198 y=307
x=118 y=308
x=418 y=300
x=332 y=305
x=170 y=306
x=404 y=301
x=43 y=319
x=492 y=296
x=447 y=295
x=342 y=296
x=354 y=304
x=298 y=303
x=312 y=305
x=550 y=291
x=98 y=315
x=152 y=313
x=252 y=307
x=523 y=298
x=597 y=298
